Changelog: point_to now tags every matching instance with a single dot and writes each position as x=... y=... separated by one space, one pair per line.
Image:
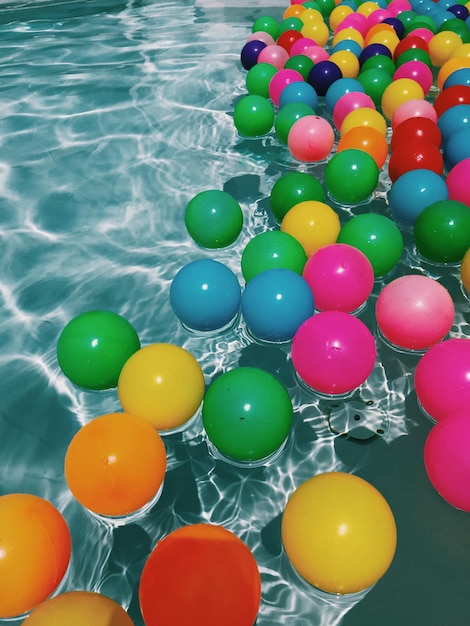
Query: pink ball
x=442 y=378
x=358 y=21
x=413 y=108
x=414 y=312
x=333 y=352
x=457 y=182
x=447 y=459
x=311 y=139
x=299 y=46
x=274 y=55
x=340 y=276
x=349 y=102
x=316 y=53
x=424 y=33
x=398 y=6
x=377 y=16
x=418 y=71
x=280 y=80
x=263 y=36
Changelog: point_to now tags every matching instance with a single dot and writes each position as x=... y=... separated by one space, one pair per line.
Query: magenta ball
x=414 y=108
x=340 y=276
x=416 y=70
x=299 y=46
x=280 y=80
x=316 y=53
x=349 y=102
x=274 y=55
x=447 y=459
x=457 y=182
x=357 y=21
x=311 y=139
x=414 y=312
x=333 y=352
x=442 y=378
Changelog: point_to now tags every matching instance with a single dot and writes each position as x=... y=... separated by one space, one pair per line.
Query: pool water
x=113 y=116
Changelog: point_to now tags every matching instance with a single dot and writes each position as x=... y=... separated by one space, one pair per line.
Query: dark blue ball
x=323 y=75
x=250 y=52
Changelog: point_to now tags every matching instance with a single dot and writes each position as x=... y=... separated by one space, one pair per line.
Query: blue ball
x=347 y=44
x=275 y=303
x=372 y=50
x=250 y=52
x=456 y=148
x=322 y=75
x=205 y=295
x=340 y=88
x=459 y=77
x=299 y=92
x=453 y=120
x=412 y=192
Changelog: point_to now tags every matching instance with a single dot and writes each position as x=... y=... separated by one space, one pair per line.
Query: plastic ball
x=288 y=38
x=323 y=75
x=301 y=45
x=270 y=250
x=258 y=79
x=280 y=81
x=373 y=50
x=340 y=88
x=414 y=129
x=93 y=347
x=414 y=54
x=442 y=231
x=275 y=55
x=457 y=182
x=375 y=81
x=288 y=115
x=35 y=552
x=457 y=148
x=367 y=139
x=301 y=63
x=459 y=77
x=351 y=176
x=442 y=45
x=290 y=24
x=414 y=312
x=364 y=117
x=378 y=237
x=200 y=574
x=333 y=352
x=379 y=62
x=349 y=102
x=261 y=35
x=313 y=223
x=451 y=65
x=339 y=533
x=291 y=189
x=442 y=378
x=79 y=608
x=451 y=97
x=347 y=62
x=163 y=383
x=316 y=30
x=465 y=271
x=412 y=192
x=349 y=45
x=115 y=464
x=398 y=92
x=338 y=14
x=316 y=53
x=409 y=42
x=418 y=71
x=253 y=116
x=205 y=295
x=274 y=304
x=213 y=218
x=298 y=92
x=311 y=139
x=247 y=414
x=267 y=24
x=250 y=52
x=414 y=155
x=340 y=276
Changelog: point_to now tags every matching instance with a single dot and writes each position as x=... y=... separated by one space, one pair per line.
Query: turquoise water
x=113 y=116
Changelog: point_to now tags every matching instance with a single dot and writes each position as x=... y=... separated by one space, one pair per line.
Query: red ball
x=288 y=38
x=450 y=97
x=415 y=155
x=408 y=43
x=416 y=129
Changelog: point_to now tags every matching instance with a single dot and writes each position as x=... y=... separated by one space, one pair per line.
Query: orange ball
x=313 y=223
x=367 y=139
x=115 y=464
x=451 y=65
x=465 y=271
x=35 y=550
x=294 y=10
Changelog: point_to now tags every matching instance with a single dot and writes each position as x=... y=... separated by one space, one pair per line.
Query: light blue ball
x=453 y=120
x=412 y=192
x=457 y=148
x=340 y=88
x=459 y=77
x=299 y=92
x=347 y=44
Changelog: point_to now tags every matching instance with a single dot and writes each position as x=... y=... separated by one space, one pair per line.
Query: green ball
x=258 y=79
x=93 y=347
x=213 y=218
x=413 y=54
x=290 y=23
x=407 y=17
x=247 y=414
x=267 y=24
x=442 y=231
x=351 y=176
x=379 y=62
x=301 y=63
x=292 y=188
x=378 y=237
x=325 y=6
x=253 y=116
x=272 y=249
x=375 y=82
x=287 y=116
x=421 y=21
x=457 y=26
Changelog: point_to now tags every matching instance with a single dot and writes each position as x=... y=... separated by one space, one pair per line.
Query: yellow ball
x=310 y=15
x=442 y=45
x=450 y=66
x=316 y=30
x=313 y=223
x=398 y=92
x=366 y=8
x=349 y=34
x=364 y=116
x=163 y=383
x=339 y=533
x=385 y=37
x=465 y=271
x=461 y=51
x=347 y=62
x=338 y=14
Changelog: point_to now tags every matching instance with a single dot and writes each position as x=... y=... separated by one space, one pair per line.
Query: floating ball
x=368 y=140
x=200 y=574
x=412 y=192
x=205 y=295
x=316 y=53
x=459 y=77
x=351 y=176
x=270 y=250
x=442 y=378
x=299 y=92
x=253 y=116
x=414 y=108
x=379 y=62
x=340 y=276
x=268 y=24
x=299 y=62
x=261 y=35
x=418 y=71
x=35 y=552
x=339 y=89
x=416 y=129
x=311 y=139
x=274 y=304
x=316 y=30
x=163 y=383
x=465 y=271
x=323 y=75
x=349 y=102
x=347 y=62
x=457 y=148
x=450 y=66
x=451 y=97
x=375 y=81
x=247 y=414
x=291 y=189
x=274 y=54
x=280 y=81
x=364 y=117
x=287 y=116
x=258 y=79
x=456 y=180
x=93 y=347
x=413 y=155
x=339 y=533
x=333 y=352
x=79 y=608
x=398 y=92
x=213 y=218
x=314 y=224
x=288 y=38
x=115 y=464
x=442 y=45
x=250 y=52
x=409 y=42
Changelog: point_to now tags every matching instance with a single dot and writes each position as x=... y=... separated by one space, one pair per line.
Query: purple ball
x=250 y=52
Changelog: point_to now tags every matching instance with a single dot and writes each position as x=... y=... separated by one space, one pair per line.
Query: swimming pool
x=114 y=115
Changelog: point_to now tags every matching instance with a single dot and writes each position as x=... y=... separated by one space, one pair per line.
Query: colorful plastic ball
x=205 y=295
x=333 y=352
x=378 y=237
x=291 y=189
x=457 y=182
x=351 y=176
x=379 y=62
x=453 y=96
x=301 y=63
x=274 y=304
x=200 y=574
x=364 y=117
x=301 y=45
x=412 y=192
x=311 y=139
x=340 y=88
x=163 y=383
x=353 y=23
x=408 y=43
x=250 y=52
x=287 y=39
x=258 y=79
x=316 y=30
x=460 y=11
x=373 y=50
x=349 y=102
x=465 y=271
x=280 y=81
x=253 y=116
x=298 y=92
x=398 y=27
x=457 y=148
x=387 y=38
x=422 y=31
x=414 y=312
x=418 y=71
x=442 y=378
x=414 y=155
x=450 y=66
x=416 y=128
x=267 y=24
x=313 y=223
x=442 y=231
x=414 y=54
x=457 y=26
x=323 y=75
x=338 y=14
x=454 y=120
x=261 y=35
x=270 y=250
x=274 y=54
x=375 y=81
x=316 y=53
x=339 y=533
x=287 y=116
x=459 y=77
x=213 y=218
x=93 y=347
x=398 y=92
x=347 y=62
x=115 y=464
x=340 y=276
x=35 y=552
x=289 y=24
x=349 y=45
x=367 y=139
x=247 y=414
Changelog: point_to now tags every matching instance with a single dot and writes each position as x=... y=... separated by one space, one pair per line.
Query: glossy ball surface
x=291 y=189
x=351 y=176
x=314 y=224
x=412 y=192
x=213 y=218
x=270 y=250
